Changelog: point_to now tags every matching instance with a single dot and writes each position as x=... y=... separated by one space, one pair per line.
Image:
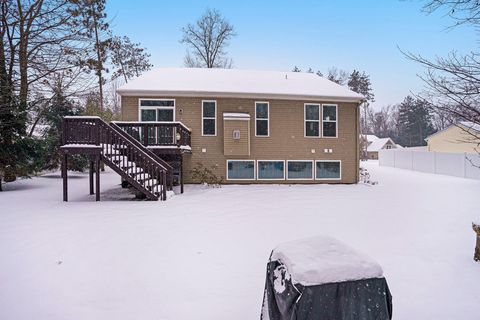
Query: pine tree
x=414 y=122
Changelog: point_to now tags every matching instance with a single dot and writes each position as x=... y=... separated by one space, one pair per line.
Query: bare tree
x=207 y=39
x=452 y=83
x=92 y=17
x=129 y=59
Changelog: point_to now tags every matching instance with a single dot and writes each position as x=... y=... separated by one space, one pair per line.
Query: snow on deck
x=203 y=254
x=319 y=260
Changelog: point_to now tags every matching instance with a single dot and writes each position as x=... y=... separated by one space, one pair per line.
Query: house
x=254 y=126
x=379 y=144
x=244 y=126
x=375 y=144
x=456 y=138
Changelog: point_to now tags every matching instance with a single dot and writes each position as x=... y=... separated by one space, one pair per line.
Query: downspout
x=357 y=137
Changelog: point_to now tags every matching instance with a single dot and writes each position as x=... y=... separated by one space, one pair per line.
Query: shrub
x=206 y=175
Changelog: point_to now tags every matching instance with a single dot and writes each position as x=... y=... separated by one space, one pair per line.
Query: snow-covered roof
x=369 y=137
x=323 y=259
x=201 y=82
x=467 y=125
x=236 y=116
x=470 y=125
x=378 y=144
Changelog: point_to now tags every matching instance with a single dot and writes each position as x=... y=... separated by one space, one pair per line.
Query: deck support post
x=476 y=255
x=181 y=173
x=97 y=178
x=64 y=176
x=90 y=175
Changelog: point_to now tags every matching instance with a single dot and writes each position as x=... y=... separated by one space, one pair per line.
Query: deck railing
x=153 y=133
x=120 y=153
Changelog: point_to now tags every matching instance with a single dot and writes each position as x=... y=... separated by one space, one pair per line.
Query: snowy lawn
x=202 y=255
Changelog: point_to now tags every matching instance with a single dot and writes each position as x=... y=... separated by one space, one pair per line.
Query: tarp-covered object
x=322 y=278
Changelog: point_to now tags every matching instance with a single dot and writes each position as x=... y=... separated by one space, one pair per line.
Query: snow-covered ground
x=202 y=255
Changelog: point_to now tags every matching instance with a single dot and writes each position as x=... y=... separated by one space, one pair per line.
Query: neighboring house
x=247 y=126
x=457 y=138
x=376 y=144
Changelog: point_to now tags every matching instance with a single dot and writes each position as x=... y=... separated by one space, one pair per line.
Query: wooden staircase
x=136 y=164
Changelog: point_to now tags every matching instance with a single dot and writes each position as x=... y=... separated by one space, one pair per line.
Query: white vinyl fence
x=464 y=165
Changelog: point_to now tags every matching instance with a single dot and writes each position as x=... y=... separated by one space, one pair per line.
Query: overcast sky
x=277 y=35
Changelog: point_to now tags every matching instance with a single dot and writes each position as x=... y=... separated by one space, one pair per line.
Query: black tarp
x=367 y=299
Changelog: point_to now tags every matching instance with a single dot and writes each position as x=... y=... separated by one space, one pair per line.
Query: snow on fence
x=465 y=165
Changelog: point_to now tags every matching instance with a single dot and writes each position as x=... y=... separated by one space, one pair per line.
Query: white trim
x=215 y=118
x=242 y=160
x=235 y=116
x=301 y=179
x=332 y=179
x=81 y=117
x=267 y=179
x=219 y=94
x=305 y=119
x=140 y=107
x=336 y=119
x=267 y=119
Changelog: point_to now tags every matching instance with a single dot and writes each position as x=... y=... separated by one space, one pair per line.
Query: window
x=312 y=120
x=157 y=103
x=240 y=169
x=157 y=110
x=270 y=170
x=262 y=113
x=299 y=169
x=209 y=118
x=329 y=123
x=328 y=170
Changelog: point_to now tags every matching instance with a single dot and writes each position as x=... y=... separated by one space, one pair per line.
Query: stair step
x=135 y=170
x=142 y=176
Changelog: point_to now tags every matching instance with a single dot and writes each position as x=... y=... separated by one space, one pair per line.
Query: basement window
x=328 y=170
x=270 y=170
x=300 y=170
x=240 y=169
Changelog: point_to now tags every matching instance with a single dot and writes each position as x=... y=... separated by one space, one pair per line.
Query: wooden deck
x=141 y=153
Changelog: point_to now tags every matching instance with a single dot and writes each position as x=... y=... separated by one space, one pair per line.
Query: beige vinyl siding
x=453 y=139
x=286 y=140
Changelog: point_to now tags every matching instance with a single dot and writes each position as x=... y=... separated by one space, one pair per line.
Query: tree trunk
x=99 y=65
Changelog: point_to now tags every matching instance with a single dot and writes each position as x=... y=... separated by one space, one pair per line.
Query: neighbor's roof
x=467 y=125
x=202 y=82
x=378 y=144
x=322 y=259
x=369 y=137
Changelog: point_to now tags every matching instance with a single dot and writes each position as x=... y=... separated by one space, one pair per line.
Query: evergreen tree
x=414 y=122
x=296 y=69
x=59 y=107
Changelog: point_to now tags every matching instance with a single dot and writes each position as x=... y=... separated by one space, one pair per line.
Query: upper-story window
x=157 y=110
x=262 y=114
x=209 y=117
x=312 y=120
x=329 y=120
